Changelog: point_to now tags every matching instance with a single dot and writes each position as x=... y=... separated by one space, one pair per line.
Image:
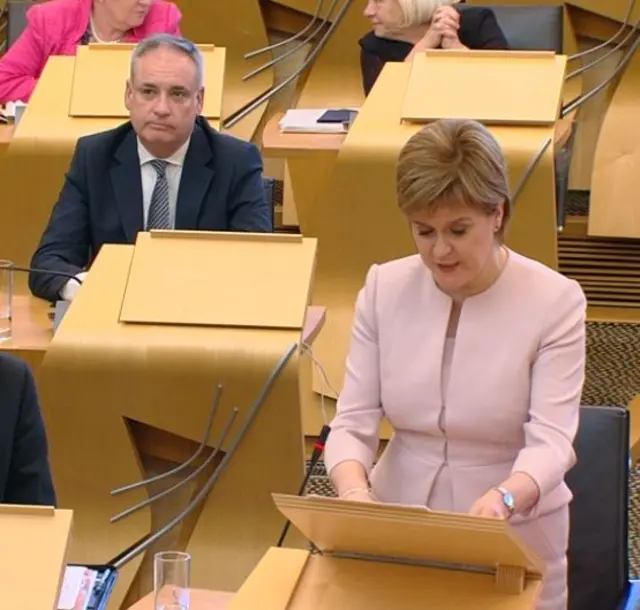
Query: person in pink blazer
x=474 y=353
x=57 y=27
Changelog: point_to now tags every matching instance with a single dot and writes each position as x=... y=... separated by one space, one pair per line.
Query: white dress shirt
x=149 y=177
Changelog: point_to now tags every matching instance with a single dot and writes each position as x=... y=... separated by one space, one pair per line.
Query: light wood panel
x=614 y=209
x=98 y=374
x=591 y=114
x=19 y=564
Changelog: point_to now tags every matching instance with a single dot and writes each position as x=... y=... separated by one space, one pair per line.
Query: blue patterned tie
x=159 y=211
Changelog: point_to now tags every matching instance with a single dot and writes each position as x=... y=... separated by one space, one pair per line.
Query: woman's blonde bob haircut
x=419 y=12
x=453 y=161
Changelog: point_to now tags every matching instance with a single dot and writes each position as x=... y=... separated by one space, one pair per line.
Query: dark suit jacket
x=221 y=189
x=478 y=30
x=25 y=477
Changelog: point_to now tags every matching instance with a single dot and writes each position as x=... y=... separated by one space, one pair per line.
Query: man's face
x=164 y=98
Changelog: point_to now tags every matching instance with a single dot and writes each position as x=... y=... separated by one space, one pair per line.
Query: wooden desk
x=286 y=145
x=201 y=599
x=322 y=149
x=158 y=450
x=31 y=330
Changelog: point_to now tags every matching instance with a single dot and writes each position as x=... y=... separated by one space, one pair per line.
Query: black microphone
x=318 y=449
x=69 y=276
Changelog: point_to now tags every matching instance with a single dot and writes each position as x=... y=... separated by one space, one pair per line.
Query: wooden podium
x=34 y=541
x=75 y=96
x=520 y=107
x=376 y=557
x=156 y=327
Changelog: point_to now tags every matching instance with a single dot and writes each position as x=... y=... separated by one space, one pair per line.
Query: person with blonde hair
x=474 y=353
x=402 y=28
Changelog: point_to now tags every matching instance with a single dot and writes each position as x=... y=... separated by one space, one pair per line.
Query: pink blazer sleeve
x=21 y=66
x=557 y=377
x=174 y=17
x=354 y=431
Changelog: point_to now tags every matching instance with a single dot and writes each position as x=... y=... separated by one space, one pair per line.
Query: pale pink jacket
x=56 y=28
x=514 y=389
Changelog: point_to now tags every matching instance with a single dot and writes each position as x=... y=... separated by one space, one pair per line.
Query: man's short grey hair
x=159 y=41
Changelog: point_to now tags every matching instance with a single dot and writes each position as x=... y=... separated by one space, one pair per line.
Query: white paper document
x=305 y=120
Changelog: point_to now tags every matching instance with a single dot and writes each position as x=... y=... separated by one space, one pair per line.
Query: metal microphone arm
x=212 y=415
x=604 y=56
x=302 y=32
x=239 y=114
x=577 y=102
x=606 y=43
x=529 y=170
x=297 y=47
x=182 y=482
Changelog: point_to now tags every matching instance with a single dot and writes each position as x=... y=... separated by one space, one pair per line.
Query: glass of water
x=6 y=298
x=171 y=571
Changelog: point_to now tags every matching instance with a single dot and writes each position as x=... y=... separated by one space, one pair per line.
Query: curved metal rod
x=147 y=541
x=291 y=51
x=293 y=38
x=581 y=99
x=180 y=467
x=606 y=43
x=239 y=114
x=193 y=475
x=604 y=56
x=527 y=172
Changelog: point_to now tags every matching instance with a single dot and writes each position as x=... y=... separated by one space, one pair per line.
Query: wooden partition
x=126 y=358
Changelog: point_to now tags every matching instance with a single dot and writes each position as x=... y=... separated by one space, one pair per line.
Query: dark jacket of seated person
x=479 y=29
x=101 y=202
x=25 y=476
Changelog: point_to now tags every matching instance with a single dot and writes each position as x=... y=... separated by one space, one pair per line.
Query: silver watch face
x=508 y=500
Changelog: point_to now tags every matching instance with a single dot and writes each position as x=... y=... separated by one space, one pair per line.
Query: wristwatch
x=507 y=499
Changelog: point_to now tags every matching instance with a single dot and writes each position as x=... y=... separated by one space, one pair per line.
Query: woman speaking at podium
x=474 y=353
x=57 y=27
x=402 y=28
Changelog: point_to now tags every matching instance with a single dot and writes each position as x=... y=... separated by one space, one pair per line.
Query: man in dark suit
x=164 y=169
x=25 y=477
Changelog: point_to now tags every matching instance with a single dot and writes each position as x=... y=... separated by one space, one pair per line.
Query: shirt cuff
x=70 y=289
